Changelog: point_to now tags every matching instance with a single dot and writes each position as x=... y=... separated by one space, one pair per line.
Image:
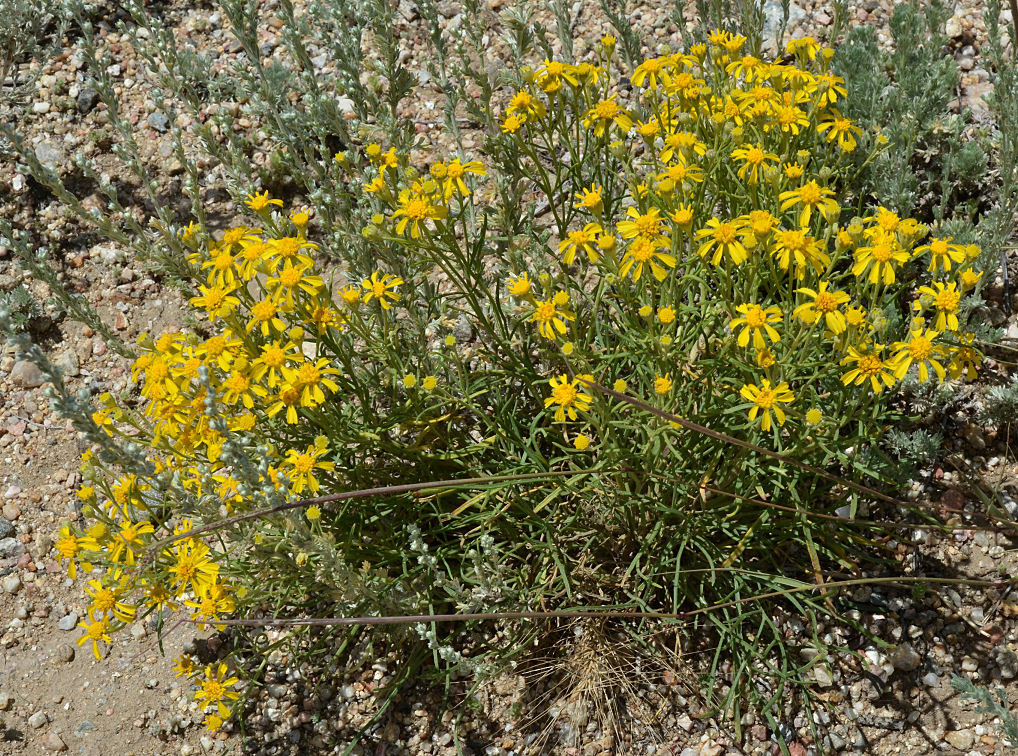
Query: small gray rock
x=65 y=653
x=87 y=726
x=37 y=720
x=158 y=121
x=49 y=154
x=68 y=622
x=87 y=99
x=27 y=374
x=6 y=528
x=904 y=658
x=12 y=584
x=10 y=547
x=5 y=700
x=68 y=363
x=1007 y=661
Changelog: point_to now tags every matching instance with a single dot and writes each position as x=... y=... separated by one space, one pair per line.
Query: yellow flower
x=682 y=217
x=302 y=465
x=869 y=365
x=290 y=279
x=96 y=632
x=883 y=254
x=767 y=400
x=662 y=383
x=415 y=208
x=682 y=144
x=568 y=396
x=969 y=278
x=666 y=314
x=723 y=238
x=313 y=513
x=761 y=223
x=265 y=317
x=553 y=72
x=965 y=358
x=211 y=604
x=590 y=200
x=753 y=159
x=620 y=386
x=216 y=300
x=429 y=383
x=676 y=174
x=839 y=129
x=825 y=305
x=549 y=318
x=214 y=690
x=942 y=253
x=184 y=666
x=259 y=202
x=790 y=119
x=583 y=240
x=756 y=322
x=309 y=377
x=814 y=416
x=641 y=224
x=581 y=442
x=607 y=112
x=409 y=380
x=920 y=349
x=454 y=173
x=945 y=298
x=811 y=196
x=646 y=251
x=652 y=73
x=288 y=398
x=519 y=286
x=192 y=565
x=67 y=546
x=524 y=105
x=381 y=286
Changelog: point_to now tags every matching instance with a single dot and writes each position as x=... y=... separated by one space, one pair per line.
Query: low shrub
x=628 y=357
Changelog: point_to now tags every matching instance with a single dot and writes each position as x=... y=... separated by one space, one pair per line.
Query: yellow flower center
x=825 y=302
x=947 y=300
x=641 y=250
x=606 y=110
x=455 y=171
x=545 y=312
x=870 y=365
x=104 y=600
x=237 y=382
x=308 y=374
x=754 y=156
x=290 y=277
x=304 y=463
x=214 y=298
x=920 y=348
x=647 y=225
x=222 y=262
x=765 y=399
x=564 y=394
x=555 y=68
x=756 y=317
x=788 y=115
x=274 y=356
x=416 y=209
x=67 y=547
x=214 y=691
x=96 y=630
x=264 y=310
x=651 y=66
x=725 y=233
x=793 y=240
x=882 y=252
x=938 y=247
x=288 y=247
x=579 y=237
x=810 y=194
x=842 y=125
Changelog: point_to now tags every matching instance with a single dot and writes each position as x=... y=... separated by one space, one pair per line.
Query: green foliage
x=29 y=30
x=1000 y=404
x=22 y=307
x=993 y=702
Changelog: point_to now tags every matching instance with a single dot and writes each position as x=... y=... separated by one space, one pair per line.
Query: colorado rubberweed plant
x=684 y=254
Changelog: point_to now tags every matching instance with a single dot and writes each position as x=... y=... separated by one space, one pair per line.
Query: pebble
x=10 y=547
x=65 y=653
x=40 y=108
x=27 y=374
x=86 y=726
x=969 y=664
x=12 y=491
x=68 y=622
x=904 y=658
x=11 y=584
x=5 y=700
x=37 y=720
x=49 y=154
x=6 y=526
x=960 y=739
x=11 y=512
x=158 y=121
x=53 y=742
x=86 y=101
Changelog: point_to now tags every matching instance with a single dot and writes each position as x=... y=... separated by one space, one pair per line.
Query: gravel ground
x=55 y=697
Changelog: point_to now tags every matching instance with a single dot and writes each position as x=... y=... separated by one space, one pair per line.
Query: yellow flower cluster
x=716 y=151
